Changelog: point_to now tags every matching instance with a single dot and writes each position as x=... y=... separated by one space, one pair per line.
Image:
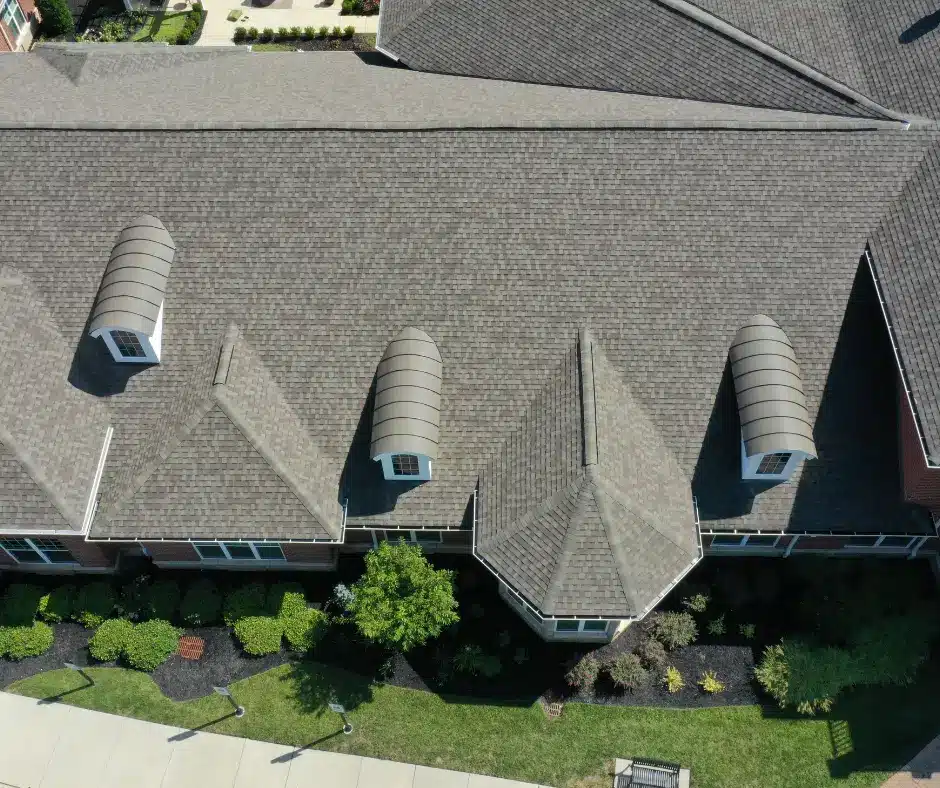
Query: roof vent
x=128 y=311
x=776 y=432
x=406 y=417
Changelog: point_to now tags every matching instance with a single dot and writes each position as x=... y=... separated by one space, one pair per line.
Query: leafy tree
x=402 y=601
x=57 y=18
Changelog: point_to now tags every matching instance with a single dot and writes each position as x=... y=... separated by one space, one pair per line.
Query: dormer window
x=407 y=411
x=776 y=432
x=128 y=313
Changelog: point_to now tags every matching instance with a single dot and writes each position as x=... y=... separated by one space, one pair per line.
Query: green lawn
x=869 y=734
x=161 y=27
x=272 y=48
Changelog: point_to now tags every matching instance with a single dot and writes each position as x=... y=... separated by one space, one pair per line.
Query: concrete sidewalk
x=59 y=746
x=922 y=772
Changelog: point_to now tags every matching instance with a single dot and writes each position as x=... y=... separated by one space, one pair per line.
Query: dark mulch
x=71 y=641
x=360 y=42
x=221 y=663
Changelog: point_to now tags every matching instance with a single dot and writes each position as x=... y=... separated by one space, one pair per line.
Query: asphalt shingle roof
x=322 y=245
x=885 y=49
x=51 y=433
x=633 y=46
x=905 y=253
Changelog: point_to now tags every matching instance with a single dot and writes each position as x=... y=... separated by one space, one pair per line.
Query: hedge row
x=250 y=34
x=144 y=646
x=193 y=23
x=261 y=619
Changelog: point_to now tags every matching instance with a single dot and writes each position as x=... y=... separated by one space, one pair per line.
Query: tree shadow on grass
x=316 y=686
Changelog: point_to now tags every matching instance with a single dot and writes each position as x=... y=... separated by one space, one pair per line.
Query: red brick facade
x=171 y=551
x=921 y=484
x=321 y=554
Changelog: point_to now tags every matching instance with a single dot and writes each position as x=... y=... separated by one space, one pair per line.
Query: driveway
x=218 y=30
x=58 y=746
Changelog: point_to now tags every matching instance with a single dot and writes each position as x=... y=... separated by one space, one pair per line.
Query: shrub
x=93 y=604
x=716 y=626
x=696 y=603
x=295 y=33
x=583 y=673
x=31 y=640
x=282 y=34
x=240 y=35
x=20 y=604
x=309 y=33
x=401 y=601
x=351 y=7
x=710 y=683
x=252 y=34
x=323 y=32
x=57 y=18
x=342 y=597
x=652 y=654
x=163 y=600
x=673 y=680
x=285 y=599
x=674 y=630
x=243 y=602
x=266 y=35
x=349 y=31
x=626 y=671
x=133 y=601
x=747 y=631
x=197 y=6
x=304 y=629
x=56 y=606
x=259 y=635
x=337 y=32
x=150 y=644
x=473 y=660
x=202 y=603
x=110 y=638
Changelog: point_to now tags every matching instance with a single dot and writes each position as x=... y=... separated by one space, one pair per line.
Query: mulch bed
x=71 y=641
x=361 y=42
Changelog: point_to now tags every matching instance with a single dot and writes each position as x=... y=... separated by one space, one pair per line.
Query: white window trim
x=581 y=630
x=424 y=468
x=228 y=557
x=749 y=465
x=39 y=551
x=411 y=537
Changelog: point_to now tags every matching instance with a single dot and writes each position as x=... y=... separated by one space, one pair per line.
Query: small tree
x=402 y=601
x=57 y=18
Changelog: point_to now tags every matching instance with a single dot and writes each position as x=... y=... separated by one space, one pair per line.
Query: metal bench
x=646 y=773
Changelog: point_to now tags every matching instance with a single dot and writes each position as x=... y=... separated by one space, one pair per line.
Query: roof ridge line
x=39 y=479
x=627 y=503
x=719 y=25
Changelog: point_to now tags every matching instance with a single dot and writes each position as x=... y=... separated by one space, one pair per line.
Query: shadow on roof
x=856 y=483
x=362 y=482
x=716 y=481
x=95 y=372
x=373 y=58
x=923 y=26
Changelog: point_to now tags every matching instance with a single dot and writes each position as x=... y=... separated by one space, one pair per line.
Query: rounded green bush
x=259 y=635
x=243 y=602
x=285 y=599
x=202 y=604
x=163 y=600
x=26 y=641
x=584 y=673
x=94 y=603
x=652 y=654
x=673 y=630
x=150 y=644
x=20 y=604
x=57 y=19
x=304 y=629
x=108 y=642
x=57 y=605
x=626 y=671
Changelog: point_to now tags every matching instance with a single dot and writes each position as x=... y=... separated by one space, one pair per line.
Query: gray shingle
x=51 y=433
x=633 y=46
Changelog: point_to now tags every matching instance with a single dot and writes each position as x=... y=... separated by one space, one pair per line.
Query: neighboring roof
x=905 y=253
x=51 y=434
x=633 y=46
x=499 y=243
x=585 y=511
x=886 y=49
x=134 y=282
x=219 y=87
x=769 y=390
x=406 y=415
x=239 y=466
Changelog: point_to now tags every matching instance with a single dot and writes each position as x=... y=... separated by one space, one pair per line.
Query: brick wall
x=323 y=554
x=89 y=555
x=921 y=484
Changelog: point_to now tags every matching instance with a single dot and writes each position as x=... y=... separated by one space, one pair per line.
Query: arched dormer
x=128 y=313
x=776 y=431
x=407 y=411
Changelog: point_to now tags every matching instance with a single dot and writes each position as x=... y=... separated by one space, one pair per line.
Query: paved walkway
x=218 y=31
x=922 y=772
x=59 y=746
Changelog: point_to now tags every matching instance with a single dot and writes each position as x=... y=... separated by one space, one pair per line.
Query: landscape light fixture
x=80 y=671
x=227 y=693
x=341 y=710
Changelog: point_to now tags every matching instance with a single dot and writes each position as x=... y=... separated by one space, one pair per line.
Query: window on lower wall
x=574 y=625
x=239 y=551
x=37 y=551
x=426 y=538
